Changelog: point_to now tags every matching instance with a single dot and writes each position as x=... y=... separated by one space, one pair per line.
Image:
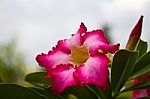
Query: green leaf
x=142 y=66
x=80 y=92
x=46 y=92
x=141 y=48
x=122 y=66
x=97 y=91
x=125 y=95
x=13 y=91
x=108 y=93
x=101 y=94
x=0 y=80
x=141 y=72
x=144 y=85
x=148 y=97
x=70 y=96
x=38 y=79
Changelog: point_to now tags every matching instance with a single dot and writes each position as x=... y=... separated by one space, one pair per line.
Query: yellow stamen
x=79 y=55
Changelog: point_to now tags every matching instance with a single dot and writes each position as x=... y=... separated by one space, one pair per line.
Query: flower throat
x=79 y=55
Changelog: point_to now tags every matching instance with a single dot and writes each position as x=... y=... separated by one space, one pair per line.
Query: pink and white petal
x=63 y=45
x=96 y=40
x=82 y=28
x=94 y=71
x=77 y=39
x=62 y=77
x=43 y=61
x=109 y=48
x=53 y=58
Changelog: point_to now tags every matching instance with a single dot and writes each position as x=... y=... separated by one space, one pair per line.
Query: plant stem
x=99 y=93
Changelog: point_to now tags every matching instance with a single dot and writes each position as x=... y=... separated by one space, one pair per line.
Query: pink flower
x=79 y=60
x=144 y=92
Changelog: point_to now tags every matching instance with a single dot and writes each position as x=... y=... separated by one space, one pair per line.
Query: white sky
x=39 y=24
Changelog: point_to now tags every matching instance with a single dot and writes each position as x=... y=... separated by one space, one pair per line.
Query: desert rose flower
x=79 y=60
x=135 y=35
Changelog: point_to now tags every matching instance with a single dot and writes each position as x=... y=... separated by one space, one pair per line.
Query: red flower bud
x=135 y=35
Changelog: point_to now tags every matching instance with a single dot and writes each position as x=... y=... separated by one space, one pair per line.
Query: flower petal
x=110 y=48
x=75 y=41
x=95 y=40
x=62 y=77
x=53 y=58
x=95 y=71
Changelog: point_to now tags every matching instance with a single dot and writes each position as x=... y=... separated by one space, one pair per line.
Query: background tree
x=12 y=63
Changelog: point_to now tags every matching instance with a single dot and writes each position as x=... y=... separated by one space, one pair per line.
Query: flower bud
x=135 y=35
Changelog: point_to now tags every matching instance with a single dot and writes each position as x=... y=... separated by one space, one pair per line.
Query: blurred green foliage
x=12 y=64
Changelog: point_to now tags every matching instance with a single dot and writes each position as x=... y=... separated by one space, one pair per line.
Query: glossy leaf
x=13 y=91
x=125 y=95
x=122 y=66
x=148 y=97
x=0 y=80
x=141 y=48
x=70 y=96
x=141 y=72
x=80 y=92
x=108 y=93
x=38 y=79
x=97 y=91
x=144 y=85
x=142 y=66
x=46 y=92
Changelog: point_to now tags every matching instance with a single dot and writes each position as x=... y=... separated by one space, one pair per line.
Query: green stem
x=98 y=93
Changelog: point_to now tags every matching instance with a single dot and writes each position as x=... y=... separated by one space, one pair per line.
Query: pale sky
x=39 y=24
